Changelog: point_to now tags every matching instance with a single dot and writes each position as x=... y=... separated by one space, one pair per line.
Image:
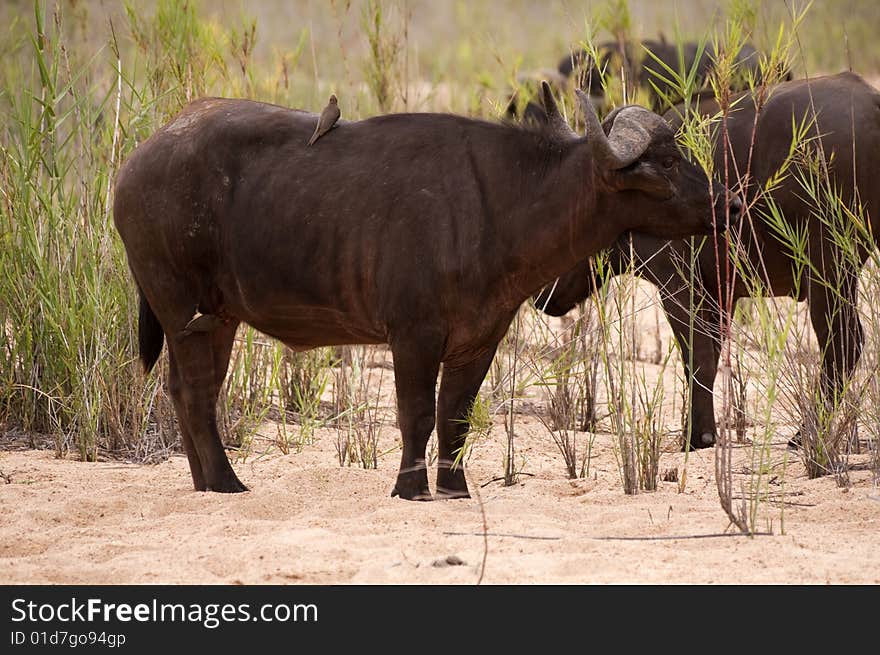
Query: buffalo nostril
x=735 y=205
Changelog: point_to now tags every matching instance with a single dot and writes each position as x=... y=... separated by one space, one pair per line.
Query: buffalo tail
x=150 y=334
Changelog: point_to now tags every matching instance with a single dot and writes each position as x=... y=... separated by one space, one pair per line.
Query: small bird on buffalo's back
x=327 y=120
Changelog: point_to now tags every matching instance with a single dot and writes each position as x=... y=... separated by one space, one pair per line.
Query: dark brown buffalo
x=409 y=229
x=848 y=119
x=647 y=62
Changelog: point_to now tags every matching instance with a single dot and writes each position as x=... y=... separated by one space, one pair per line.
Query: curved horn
x=626 y=142
x=554 y=118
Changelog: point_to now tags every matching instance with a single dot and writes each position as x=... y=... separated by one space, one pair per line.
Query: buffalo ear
x=641 y=178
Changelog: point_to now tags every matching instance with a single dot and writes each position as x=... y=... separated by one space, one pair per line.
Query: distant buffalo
x=639 y=61
x=847 y=112
x=410 y=229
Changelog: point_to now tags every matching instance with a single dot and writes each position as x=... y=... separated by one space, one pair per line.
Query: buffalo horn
x=626 y=142
x=554 y=118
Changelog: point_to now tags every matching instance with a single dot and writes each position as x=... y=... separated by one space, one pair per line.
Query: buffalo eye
x=668 y=163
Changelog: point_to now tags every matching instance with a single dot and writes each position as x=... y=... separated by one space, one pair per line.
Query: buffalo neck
x=545 y=222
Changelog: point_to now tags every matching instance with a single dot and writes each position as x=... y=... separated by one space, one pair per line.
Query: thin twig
x=114 y=146
x=501 y=479
x=486 y=534
x=688 y=536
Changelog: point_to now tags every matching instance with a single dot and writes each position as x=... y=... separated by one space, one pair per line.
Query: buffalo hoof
x=449 y=494
x=451 y=483
x=796 y=441
x=422 y=496
x=412 y=486
x=230 y=485
x=705 y=440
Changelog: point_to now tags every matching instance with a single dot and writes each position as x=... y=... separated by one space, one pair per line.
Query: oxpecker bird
x=327 y=120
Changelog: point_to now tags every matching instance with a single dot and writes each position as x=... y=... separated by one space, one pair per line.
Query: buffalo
x=841 y=114
x=406 y=229
x=646 y=63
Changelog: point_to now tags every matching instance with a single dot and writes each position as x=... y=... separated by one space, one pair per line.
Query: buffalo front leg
x=416 y=364
x=199 y=362
x=458 y=389
x=699 y=341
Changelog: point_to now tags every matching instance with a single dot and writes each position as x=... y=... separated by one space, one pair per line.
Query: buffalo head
x=636 y=155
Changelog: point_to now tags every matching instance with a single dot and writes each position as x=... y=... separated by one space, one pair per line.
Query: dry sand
x=307 y=520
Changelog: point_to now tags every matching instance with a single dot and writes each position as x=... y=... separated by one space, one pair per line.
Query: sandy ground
x=307 y=520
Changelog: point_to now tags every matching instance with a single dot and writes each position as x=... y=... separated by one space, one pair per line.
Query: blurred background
x=457 y=55
x=83 y=82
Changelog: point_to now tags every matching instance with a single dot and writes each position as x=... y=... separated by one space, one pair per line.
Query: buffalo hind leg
x=174 y=389
x=835 y=319
x=699 y=353
x=416 y=364
x=199 y=361
x=458 y=389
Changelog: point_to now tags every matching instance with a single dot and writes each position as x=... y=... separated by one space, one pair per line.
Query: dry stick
x=723 y=457
x=687 y=403
x=635 y=438
x=744 y=182
x=857 y=203
x=512 y=535
x=714 y=535
x=780 y=503
x=501 y=478
x=688 y=536
x=725 y=316
x=115 y=124
x=509 y=472
x=485 y=532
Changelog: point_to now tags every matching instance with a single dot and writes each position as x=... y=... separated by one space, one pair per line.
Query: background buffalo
x=841 y=115
x=643 y=64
